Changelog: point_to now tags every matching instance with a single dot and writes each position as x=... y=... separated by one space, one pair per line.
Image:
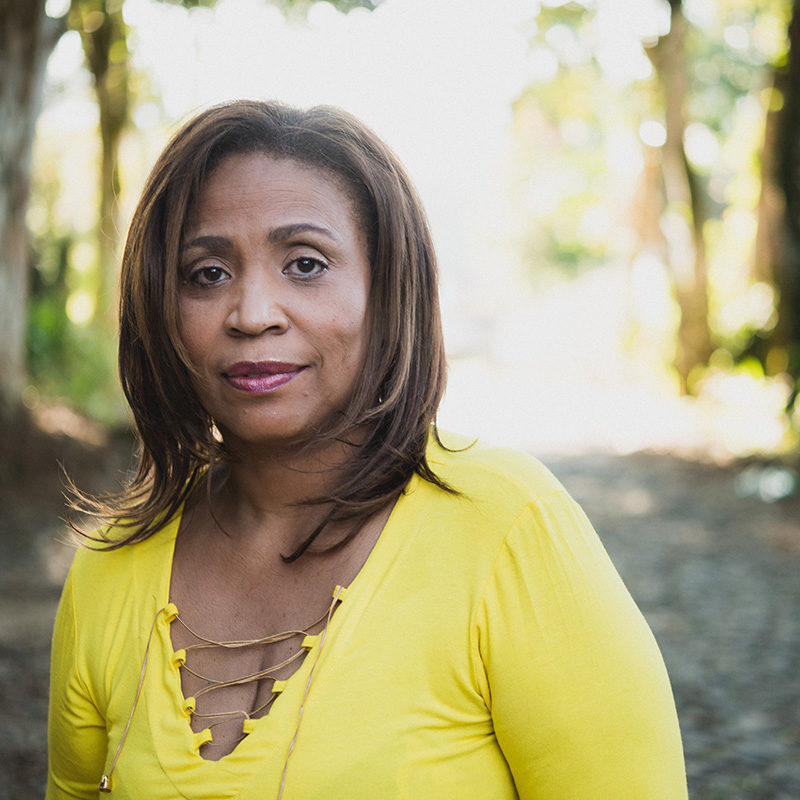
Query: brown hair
x=402 y=382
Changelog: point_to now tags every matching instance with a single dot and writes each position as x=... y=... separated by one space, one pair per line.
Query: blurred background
x=614 y=191
x=612 y=186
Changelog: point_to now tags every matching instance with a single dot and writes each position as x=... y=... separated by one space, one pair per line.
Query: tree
x=686 y=244
x=777 y=251
x=27 y=38
x=104 y=38
x=693 y=106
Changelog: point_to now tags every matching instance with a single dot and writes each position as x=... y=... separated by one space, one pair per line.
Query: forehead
x=246 y=185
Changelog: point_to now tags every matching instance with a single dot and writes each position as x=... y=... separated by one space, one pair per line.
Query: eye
x=306 y=267
x=208 y=275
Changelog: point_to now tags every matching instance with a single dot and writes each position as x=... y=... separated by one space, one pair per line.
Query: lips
x=261 y=377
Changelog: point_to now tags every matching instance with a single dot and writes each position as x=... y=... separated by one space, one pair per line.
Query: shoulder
x=497 y=490
x=480 y=470
x=99 y=571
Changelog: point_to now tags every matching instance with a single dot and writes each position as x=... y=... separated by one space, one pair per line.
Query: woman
x=304 y=593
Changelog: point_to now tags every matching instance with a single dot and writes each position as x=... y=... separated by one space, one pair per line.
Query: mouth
x=261 y=377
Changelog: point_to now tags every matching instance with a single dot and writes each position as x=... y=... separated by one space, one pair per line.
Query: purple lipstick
x=261 y=377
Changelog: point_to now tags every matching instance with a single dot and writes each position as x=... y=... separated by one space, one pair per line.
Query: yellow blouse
x=487 y=650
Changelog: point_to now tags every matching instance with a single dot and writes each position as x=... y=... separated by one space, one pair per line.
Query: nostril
x=253 y=320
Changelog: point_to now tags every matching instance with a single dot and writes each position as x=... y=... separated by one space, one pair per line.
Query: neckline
x=172 y=729
x=173 y=526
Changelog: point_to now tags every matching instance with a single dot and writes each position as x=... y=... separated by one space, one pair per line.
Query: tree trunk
x=776 y=256
x=27 y=37
x=771 y=249
x=685 y=218
x=104 y=38
x=787 y=272
x=770 y=232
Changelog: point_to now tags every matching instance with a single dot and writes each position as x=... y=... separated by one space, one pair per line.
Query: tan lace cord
x=105 y=785
x=105 y=780
x=336 y=595
x=262 y=674
x=255 y=676
x=274 y=637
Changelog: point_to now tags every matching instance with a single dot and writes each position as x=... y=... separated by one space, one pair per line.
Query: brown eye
x=207 y=276
x=306 y=267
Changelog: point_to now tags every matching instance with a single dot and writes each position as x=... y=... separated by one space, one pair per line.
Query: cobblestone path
x=716 y=575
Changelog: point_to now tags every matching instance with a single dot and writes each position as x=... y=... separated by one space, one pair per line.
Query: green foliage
x=191 y=3
x=567 y=123
x=290 y=7
x=577 y=112
x=590 y=129
x=732 y=56
x=299 y=8
x=71 y=361
x=68 y=355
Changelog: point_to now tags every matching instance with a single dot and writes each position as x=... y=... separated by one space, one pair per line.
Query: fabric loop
x=202 y=737
x=188 y=706
x=178 y=658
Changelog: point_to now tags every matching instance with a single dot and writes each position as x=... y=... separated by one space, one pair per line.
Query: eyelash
x=196 y=276
x=308 y=260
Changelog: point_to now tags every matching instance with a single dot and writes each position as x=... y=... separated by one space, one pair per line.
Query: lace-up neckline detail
x=267 y=676
x=267 y=681
x=170 y=614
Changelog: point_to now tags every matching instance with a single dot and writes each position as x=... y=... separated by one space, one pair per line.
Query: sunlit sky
x=436 y=79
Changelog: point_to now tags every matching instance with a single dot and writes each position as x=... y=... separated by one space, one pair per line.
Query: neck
x=264 y=490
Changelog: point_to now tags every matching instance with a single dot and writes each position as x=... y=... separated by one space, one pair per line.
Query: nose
x=257 y=308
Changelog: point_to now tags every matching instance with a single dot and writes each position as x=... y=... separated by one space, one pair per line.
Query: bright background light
x=543 y=369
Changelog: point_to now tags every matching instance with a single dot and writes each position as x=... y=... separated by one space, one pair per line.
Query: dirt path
x=717 y=576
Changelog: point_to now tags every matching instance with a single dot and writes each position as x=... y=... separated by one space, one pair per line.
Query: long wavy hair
x=402 y=381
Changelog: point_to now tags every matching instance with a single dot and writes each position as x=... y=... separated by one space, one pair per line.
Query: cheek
x=355 y=335
x=342 y=324
x=193 y=331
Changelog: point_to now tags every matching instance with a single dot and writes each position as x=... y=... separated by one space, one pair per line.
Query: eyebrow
x=275 y=236
x=211 y=242
x=284 y=232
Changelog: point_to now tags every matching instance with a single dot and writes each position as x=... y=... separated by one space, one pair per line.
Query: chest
x=386 y=704
x=387 y=697
x=241 y=631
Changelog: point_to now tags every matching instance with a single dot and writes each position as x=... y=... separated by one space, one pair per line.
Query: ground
x=715 y=570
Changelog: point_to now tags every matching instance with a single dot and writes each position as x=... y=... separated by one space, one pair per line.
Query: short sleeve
x=76 y=734
x=577 y=689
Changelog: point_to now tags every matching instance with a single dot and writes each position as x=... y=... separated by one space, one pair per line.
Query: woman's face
x=273 y=297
